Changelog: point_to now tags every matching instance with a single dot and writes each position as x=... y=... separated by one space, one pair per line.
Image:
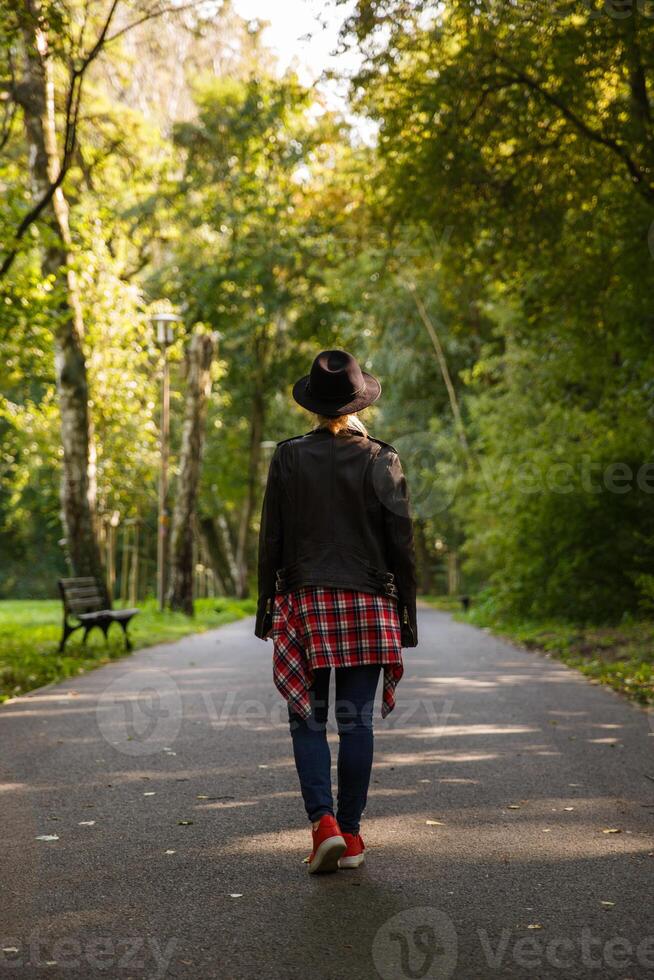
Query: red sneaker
x=353 y=856
x=328 y=845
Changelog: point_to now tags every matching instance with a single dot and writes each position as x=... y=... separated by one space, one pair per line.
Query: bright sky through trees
x=302 y=33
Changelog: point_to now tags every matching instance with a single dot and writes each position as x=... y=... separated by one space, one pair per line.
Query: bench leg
x=128 y=642
x=64 y=637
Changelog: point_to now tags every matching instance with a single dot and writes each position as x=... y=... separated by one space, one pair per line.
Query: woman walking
x=337 y=589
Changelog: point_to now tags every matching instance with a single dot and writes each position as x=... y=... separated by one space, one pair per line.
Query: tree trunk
x=35 y=94
x=423 y=558
x=215 y=534
x=198 y=384
x=254 y=458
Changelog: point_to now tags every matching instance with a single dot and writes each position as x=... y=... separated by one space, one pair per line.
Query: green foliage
x=249 y=262
x=519 y=135
x=509 y=191
x=121 y=154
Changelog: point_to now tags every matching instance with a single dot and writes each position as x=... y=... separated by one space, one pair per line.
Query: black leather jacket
x=336 y=513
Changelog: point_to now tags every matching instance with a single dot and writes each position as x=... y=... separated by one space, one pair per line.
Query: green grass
x=448 y=603
x=30 y=631
x=620 y=656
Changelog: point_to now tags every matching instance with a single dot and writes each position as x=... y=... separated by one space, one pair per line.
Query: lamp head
x=164 y=327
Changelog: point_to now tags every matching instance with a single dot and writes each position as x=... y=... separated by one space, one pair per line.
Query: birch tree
x=34 y=92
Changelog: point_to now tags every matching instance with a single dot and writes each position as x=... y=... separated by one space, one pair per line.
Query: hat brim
x=331 y=409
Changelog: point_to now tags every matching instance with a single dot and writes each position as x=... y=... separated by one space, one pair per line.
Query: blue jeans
x=355 y=696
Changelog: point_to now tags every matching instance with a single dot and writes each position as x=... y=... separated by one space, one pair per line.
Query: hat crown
x=336 y=375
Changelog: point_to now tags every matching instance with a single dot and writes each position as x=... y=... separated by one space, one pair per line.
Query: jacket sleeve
x=270 y=547
x=398 y=533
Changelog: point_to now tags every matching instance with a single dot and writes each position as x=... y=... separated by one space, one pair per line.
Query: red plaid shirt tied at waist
x=316 y=627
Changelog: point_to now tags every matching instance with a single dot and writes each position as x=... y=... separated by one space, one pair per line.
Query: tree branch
x=590 y=132
x=151 y=15
x=410 y=286
x=73 y=102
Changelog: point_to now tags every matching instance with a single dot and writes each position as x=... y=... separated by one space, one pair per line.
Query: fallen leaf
x=513 y=806
x=547 y=830
x=86 y=823
x=10 y=949
x=568 y=808
x=534 y=925
x=612 y=830
x=186 y=823
x=236 y=894
x=201 y=796
x=150 y=793
x=434 y=823
x=608 y=905
x=169 y=852
x=47 y=837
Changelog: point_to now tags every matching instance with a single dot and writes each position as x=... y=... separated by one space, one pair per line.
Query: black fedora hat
x=336 y=385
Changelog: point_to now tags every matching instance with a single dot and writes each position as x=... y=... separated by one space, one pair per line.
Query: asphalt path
x=509 y=827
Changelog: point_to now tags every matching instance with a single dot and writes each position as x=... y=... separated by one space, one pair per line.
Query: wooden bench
x=86 y=602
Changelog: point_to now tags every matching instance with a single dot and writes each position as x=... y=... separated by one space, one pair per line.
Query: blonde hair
x=339 y=425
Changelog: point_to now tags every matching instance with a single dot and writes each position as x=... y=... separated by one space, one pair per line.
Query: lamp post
x=163 y=324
